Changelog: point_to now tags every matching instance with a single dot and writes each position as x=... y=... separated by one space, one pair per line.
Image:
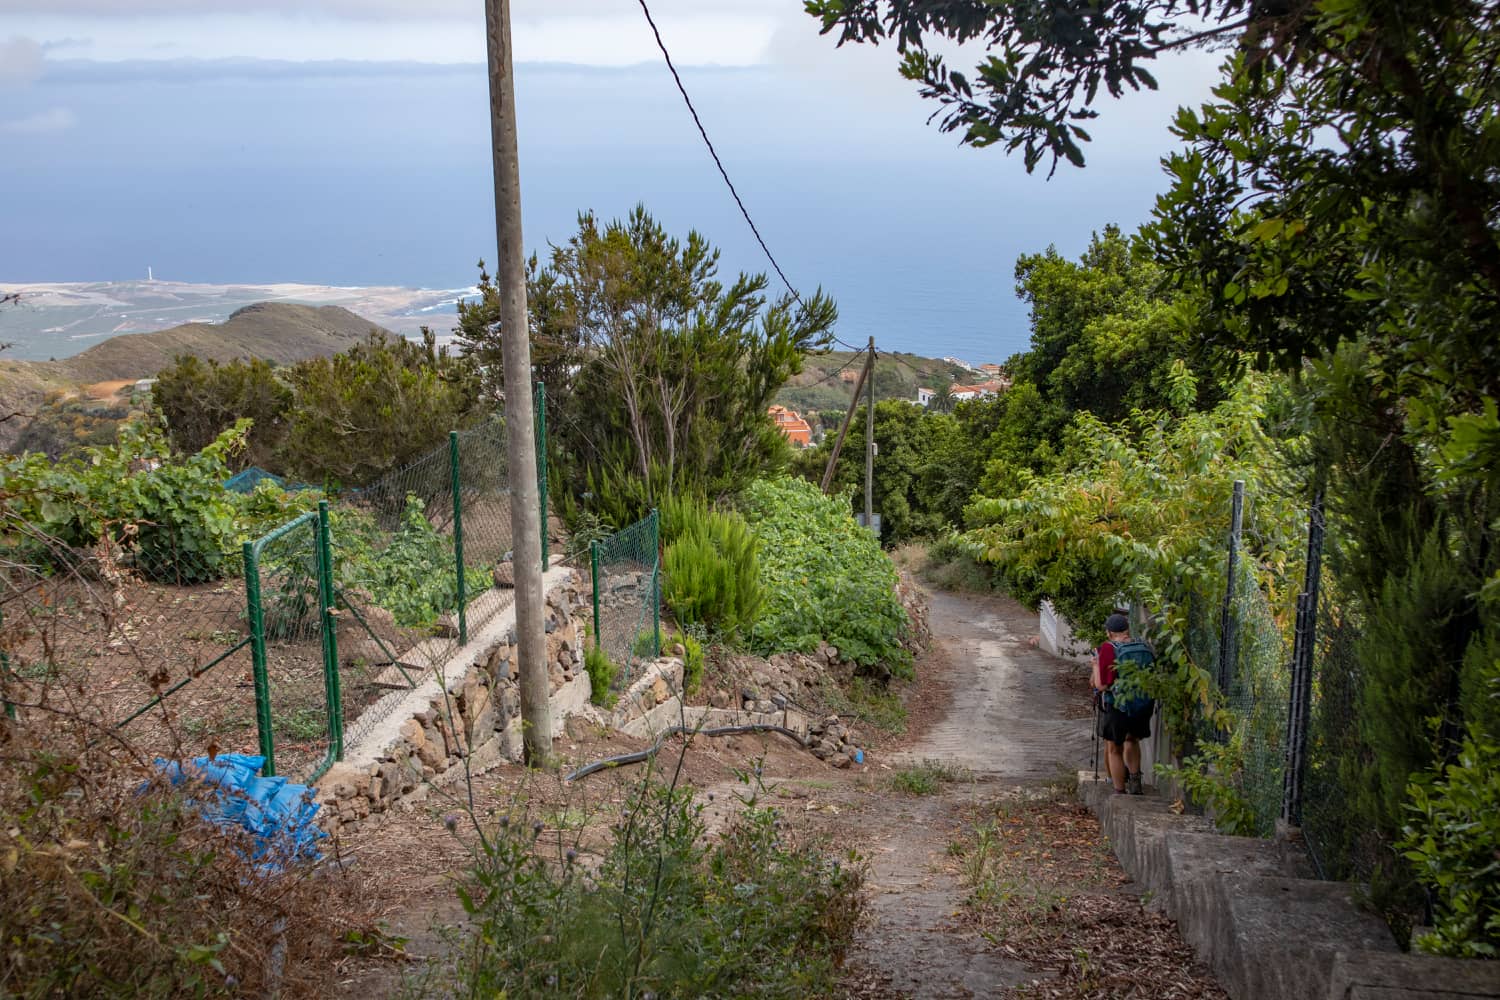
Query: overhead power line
x=677 y=78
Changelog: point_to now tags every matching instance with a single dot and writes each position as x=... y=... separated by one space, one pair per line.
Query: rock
x=765 y=707
x=505 y=575
x=822 y=751
x=841 y=760
x=446 y=626
x=660 y=692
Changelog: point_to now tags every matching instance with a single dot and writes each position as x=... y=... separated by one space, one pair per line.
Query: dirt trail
x=1006 y=725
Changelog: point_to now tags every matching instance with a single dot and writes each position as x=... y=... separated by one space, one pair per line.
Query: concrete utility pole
x=510 y=274
x=870 y=444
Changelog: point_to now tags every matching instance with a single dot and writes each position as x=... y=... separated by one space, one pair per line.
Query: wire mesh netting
x=404 y=607
x=286 y=566
x=1341 y=845
x=147 y=639
x=1259 y=687
x=626 y=569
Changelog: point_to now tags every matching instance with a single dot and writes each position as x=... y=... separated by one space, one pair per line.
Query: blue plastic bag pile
x=280 y=816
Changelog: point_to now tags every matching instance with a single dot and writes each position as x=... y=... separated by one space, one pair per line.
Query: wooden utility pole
x=838 y=442
x=870 y=444
x=510 y=275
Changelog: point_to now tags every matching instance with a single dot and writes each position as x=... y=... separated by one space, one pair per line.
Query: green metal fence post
x=541 y=461
x=256 y=615
x=656 y=577
x=458 y=538
x=330 y=641
x=594 y=562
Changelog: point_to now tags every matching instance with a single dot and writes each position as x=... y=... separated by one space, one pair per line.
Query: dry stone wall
x=471 y=725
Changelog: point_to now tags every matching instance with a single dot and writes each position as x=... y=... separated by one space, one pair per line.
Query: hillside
x=827 y=380
x=278 y=332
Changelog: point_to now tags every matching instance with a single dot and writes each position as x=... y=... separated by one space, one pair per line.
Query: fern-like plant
x=712 y=569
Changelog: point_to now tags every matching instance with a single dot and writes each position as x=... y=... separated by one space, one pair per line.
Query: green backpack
x=1132 y=660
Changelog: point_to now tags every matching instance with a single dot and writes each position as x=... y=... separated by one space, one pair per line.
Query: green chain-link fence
x=626 y=575
x=289 y=604
x=147 y=638
x=294 y=644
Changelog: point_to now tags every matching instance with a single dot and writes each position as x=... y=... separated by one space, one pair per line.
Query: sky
x=346 y=142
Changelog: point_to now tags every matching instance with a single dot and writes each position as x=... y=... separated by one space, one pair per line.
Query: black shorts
x=1117 y=727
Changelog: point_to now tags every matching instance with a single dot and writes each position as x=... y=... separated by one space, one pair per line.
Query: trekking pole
x=1096 y=737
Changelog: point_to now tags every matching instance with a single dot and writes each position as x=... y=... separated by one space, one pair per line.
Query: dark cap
x=1117 y=623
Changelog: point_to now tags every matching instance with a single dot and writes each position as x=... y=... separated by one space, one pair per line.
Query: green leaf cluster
x=1453 y=840
x=168 y=514
x=712 y=569
x=824 y=576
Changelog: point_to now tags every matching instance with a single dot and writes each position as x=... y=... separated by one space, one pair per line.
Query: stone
x=660 y=691
x=822 y=751
x=719 y=698
x=505 y=575
x=446 y=626
x=841 y=760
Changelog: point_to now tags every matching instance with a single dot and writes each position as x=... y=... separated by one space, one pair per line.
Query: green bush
x=602 y=675
x=825 y=577
x=169 y=514
x=666 y=911
x=1453 y=841
x=712 y=572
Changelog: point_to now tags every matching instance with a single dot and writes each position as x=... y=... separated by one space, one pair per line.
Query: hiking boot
x=1133 y=784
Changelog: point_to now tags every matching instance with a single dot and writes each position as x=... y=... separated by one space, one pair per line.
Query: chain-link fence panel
x=287 y=621
x=626 y=570
x=145 y=640
x=1341 y=845
x=398 y=586
x=1258 y=693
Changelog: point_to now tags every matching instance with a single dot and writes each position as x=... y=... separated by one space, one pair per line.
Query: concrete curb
x=1252 y=913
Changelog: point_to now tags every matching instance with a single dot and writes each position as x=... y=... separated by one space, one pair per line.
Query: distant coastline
x=57 y=320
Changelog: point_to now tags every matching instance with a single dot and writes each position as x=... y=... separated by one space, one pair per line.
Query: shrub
x=825 y=577
x=169 y=514
x=712 y=570
x=1454 y=842
x=666 y=911
x=602 y=675
x=112 y=889
x=693 y=661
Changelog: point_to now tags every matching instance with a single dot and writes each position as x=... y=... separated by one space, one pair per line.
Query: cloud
x=20 y=61
x=47 y=122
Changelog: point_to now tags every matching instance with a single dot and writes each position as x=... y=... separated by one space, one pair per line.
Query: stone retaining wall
x=1251 y=913
x=473 y=718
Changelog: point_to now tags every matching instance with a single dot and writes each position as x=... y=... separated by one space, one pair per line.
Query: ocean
x=374 y=175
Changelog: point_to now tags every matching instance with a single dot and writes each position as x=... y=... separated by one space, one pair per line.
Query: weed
x=665 y=911
x=603 y=675
x=927 y=777
x=869 y=702
x=305 y=723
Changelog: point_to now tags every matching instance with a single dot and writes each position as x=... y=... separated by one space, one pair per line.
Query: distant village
x=984 y=381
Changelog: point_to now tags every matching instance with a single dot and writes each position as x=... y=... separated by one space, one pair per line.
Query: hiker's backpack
x=1132 y=660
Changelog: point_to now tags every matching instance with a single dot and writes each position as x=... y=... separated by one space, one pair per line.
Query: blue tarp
x=279 y=815
x=245 y=482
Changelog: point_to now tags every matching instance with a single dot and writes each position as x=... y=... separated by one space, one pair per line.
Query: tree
x=199 y=399
x=374 y=407
x=942 y=400
x=671 y=370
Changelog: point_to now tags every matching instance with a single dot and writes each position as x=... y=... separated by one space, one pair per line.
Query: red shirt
x=1107 y=664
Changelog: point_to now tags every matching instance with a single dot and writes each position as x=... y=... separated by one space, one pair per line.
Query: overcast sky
x=365 y=119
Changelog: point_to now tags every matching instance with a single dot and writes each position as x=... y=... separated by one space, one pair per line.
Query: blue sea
x=360 y=174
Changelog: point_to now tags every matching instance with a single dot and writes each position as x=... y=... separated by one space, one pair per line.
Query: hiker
x=1125 y=718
